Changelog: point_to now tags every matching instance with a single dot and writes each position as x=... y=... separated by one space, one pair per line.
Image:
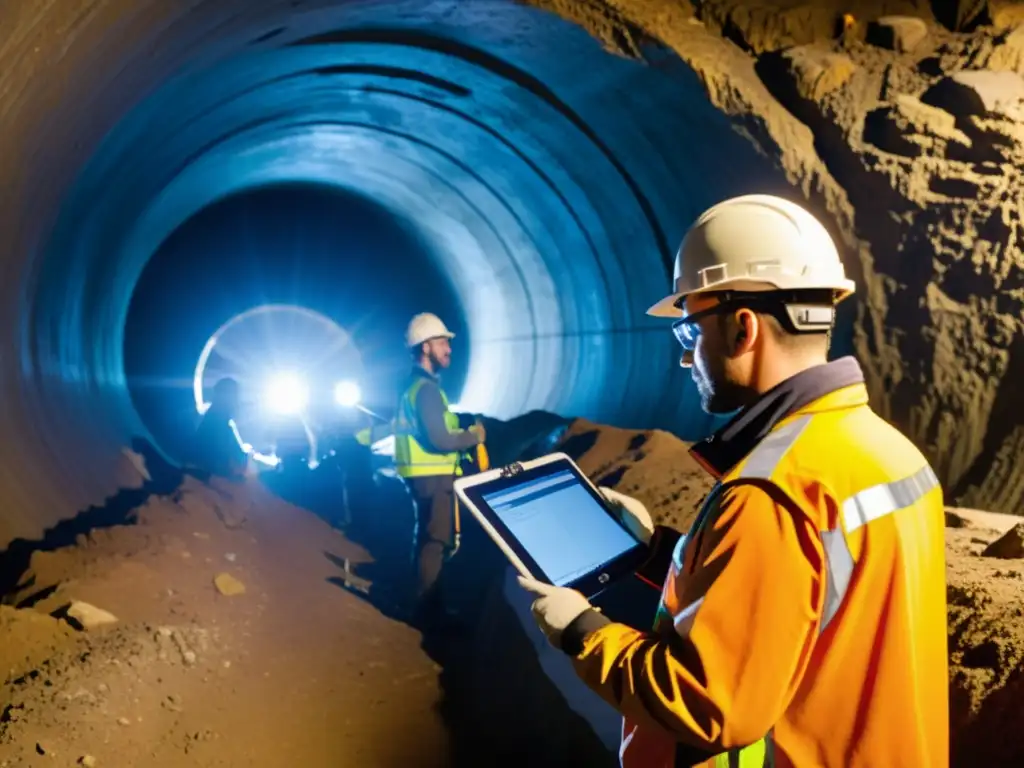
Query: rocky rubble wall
x=905 y=125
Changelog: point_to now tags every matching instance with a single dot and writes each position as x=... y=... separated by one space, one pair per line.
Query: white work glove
x=632 y=513
x=555 y=609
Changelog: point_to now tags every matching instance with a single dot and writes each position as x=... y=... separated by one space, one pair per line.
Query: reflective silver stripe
x=860 y=509
x=881 y=500
x=769 y=452
x=838 y=572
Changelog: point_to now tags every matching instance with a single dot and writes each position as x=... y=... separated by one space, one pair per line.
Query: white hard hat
x=754 y=243
x=425 y=327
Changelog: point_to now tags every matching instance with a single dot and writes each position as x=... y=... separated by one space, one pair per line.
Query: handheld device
x=552 y=523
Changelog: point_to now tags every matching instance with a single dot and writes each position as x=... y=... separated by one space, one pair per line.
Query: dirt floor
x=298 y=670
x=294 y=671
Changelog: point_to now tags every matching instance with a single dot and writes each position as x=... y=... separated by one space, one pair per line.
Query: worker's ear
x=743 y=332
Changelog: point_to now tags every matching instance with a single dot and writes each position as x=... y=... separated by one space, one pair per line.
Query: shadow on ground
x=502 y=708
x=119 y=509
x=499 y=705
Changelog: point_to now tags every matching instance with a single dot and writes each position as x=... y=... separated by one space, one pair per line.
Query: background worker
x=215 y=448
x=803 y=618
x=428 y=446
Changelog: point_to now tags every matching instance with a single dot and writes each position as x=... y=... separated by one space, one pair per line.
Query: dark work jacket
x=430 y=409
x=215 y=447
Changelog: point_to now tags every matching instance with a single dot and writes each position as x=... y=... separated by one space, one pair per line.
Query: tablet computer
x=552 y=523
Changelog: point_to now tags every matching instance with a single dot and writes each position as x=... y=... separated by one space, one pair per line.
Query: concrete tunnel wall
x=552 y=179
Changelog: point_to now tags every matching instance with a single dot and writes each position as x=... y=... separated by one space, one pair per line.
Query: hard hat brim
x=668 y=306
x=446 y=335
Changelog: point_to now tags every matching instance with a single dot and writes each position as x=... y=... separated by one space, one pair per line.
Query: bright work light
x=286 y=394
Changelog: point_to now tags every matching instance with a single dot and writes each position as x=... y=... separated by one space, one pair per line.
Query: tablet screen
x=560 y=524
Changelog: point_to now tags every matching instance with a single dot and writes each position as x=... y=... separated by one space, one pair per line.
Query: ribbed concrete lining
x=550 y=178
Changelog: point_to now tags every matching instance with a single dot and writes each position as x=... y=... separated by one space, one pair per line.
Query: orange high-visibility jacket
x=804 y=616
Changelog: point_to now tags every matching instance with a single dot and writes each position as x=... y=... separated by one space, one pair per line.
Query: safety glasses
x=687 y=330
x=810 y=316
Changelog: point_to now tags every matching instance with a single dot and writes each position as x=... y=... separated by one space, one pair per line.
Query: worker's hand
x=555 y=609
x=478 y=430
x=631 y=512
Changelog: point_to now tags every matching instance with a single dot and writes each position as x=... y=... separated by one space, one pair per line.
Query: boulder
x=88 y=617
x=902 y=34
x=816 y=72
x=980 y=93
x=910 y=128
x=926 y=120
x=1009 y=546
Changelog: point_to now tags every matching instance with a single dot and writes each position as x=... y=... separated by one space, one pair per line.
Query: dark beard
x=436 y=364
x=716 y=398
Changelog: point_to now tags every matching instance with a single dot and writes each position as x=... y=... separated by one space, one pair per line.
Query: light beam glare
x=336 y=346
x=233 y=358
x=287 y=359
x=347 y=394
x=287 y=394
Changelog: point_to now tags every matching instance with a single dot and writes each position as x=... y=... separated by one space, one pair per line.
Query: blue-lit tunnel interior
x=260 y=262
x=540 y=183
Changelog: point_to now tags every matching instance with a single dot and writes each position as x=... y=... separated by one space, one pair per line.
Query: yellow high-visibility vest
x=411 y=458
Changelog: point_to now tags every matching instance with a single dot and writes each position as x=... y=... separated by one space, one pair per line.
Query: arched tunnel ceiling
x=614 y=158
x=551 y=179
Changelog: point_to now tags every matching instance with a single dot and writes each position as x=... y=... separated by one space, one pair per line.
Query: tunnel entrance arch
x=314 y=246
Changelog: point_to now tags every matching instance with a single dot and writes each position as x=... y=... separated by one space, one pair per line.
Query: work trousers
x=435 y=533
